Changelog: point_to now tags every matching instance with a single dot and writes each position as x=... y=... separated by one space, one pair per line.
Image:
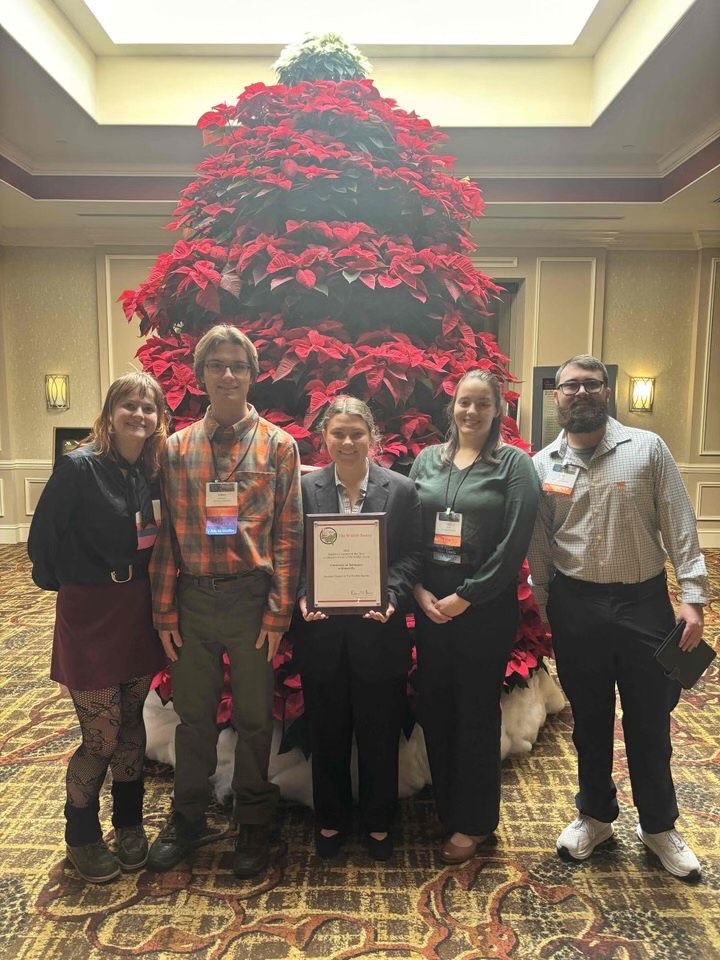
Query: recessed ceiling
x=403 y=22
x=643 y=170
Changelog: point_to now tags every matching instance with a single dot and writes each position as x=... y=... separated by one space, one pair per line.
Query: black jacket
x=84 y=524
x=375 y=649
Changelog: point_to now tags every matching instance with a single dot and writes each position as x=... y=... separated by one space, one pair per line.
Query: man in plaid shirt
x=224 y=576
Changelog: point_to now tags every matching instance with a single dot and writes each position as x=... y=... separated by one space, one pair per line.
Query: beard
x=584 y=415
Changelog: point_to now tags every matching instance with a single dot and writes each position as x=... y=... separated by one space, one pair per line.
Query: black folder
x=682 y=665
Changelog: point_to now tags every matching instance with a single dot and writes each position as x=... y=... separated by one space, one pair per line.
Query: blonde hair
x=224 y=333
x=101 y=433
x=352 y=407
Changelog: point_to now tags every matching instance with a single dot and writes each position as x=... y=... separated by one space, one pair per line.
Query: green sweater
x=498 y=503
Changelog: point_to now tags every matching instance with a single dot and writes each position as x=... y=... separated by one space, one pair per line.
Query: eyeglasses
x=217 y=368
x=571 y=387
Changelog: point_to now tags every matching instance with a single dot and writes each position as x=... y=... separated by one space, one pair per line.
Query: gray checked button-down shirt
x=629 y=510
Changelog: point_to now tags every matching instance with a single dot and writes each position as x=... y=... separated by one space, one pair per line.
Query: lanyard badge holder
x=447 y=541
x=147 y=532
x=221 y=498
x=561 y=479
x=221 y=507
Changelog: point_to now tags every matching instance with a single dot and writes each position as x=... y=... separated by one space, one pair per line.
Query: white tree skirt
x=524 y=710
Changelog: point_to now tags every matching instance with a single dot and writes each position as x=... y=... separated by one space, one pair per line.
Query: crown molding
x=707 y=239
x=667 y=163
x=488 y=236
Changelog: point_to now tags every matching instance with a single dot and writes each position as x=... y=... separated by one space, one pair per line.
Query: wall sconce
x=642 y=394
x=57 y=391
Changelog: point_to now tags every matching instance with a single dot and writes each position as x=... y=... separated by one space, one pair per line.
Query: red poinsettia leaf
x=281 y=261
x=286 y=366
x=385 y=281
x=306 y=278
x=230 y=282
x=209 y=299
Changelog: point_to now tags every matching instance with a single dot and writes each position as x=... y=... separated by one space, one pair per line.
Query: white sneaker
x=672 y=851
x=579 y=838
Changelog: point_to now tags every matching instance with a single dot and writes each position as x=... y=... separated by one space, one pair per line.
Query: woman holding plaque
x=479 y=498
x=90 y=540
x=354 y=667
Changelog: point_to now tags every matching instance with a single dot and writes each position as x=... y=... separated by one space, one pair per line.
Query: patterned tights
x=113 y=735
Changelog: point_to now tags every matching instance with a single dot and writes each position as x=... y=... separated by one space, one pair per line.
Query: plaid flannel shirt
x=270 y=519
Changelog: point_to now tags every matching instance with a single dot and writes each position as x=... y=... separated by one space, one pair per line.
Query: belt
x=211 y=583
x=628 y=590
x=132 y=571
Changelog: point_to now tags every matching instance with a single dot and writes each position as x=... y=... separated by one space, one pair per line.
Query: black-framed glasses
x=217 y=368
x=571 y=387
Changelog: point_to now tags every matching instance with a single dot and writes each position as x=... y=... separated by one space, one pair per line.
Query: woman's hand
x=427 y=602
x=452 y=605
x=308 y=617
x=382 y=617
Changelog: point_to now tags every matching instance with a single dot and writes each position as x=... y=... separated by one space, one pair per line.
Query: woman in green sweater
x=479 y=498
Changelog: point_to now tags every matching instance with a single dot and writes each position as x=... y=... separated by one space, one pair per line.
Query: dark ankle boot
x=131 y=845
x=86 y=849
x=82 y=824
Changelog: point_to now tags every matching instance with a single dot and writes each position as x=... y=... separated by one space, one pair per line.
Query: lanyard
x=451 y=508
x=240 y=461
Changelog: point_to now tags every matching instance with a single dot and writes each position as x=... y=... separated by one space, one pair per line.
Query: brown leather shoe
x=453 y=853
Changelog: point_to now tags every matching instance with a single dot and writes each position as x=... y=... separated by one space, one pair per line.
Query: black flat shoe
x=381 y=850
x=327 y=848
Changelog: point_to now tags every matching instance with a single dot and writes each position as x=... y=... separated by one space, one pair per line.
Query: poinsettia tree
x=326 y=225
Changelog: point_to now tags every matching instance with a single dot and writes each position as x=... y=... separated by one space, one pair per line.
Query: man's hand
x=427 y=602
x=273 y=638
x=171 y=641
x=692 y=614
x=309 y=617
x=452 y=605
x=382 y=617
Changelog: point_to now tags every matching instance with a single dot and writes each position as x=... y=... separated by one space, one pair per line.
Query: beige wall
x=654 y=313
x=50 y=319
x=648 y=332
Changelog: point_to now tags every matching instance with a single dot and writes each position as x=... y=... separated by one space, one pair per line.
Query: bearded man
x=613 y=507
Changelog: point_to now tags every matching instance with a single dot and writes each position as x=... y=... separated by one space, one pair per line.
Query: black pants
x=335 y=705
x=605 y=635
x=461 y=668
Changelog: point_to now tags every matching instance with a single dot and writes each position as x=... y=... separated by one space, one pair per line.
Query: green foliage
x=327 y=57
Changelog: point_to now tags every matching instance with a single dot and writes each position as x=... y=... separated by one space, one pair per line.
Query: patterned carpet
x=517 y=900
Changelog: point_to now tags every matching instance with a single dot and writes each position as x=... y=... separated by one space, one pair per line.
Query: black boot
x=86 y=849
x=130 y=840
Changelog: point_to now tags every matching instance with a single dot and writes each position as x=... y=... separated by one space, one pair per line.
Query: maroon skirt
x=104 y=635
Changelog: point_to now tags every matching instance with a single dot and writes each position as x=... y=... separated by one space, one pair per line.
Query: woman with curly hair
x=90 y=540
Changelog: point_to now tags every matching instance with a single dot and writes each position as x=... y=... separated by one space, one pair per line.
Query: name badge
x=447 y=540
x=221 y=498
x=562 y=479
x=147 y=533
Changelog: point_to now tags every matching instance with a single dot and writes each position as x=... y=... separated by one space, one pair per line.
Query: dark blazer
x=375 y=650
